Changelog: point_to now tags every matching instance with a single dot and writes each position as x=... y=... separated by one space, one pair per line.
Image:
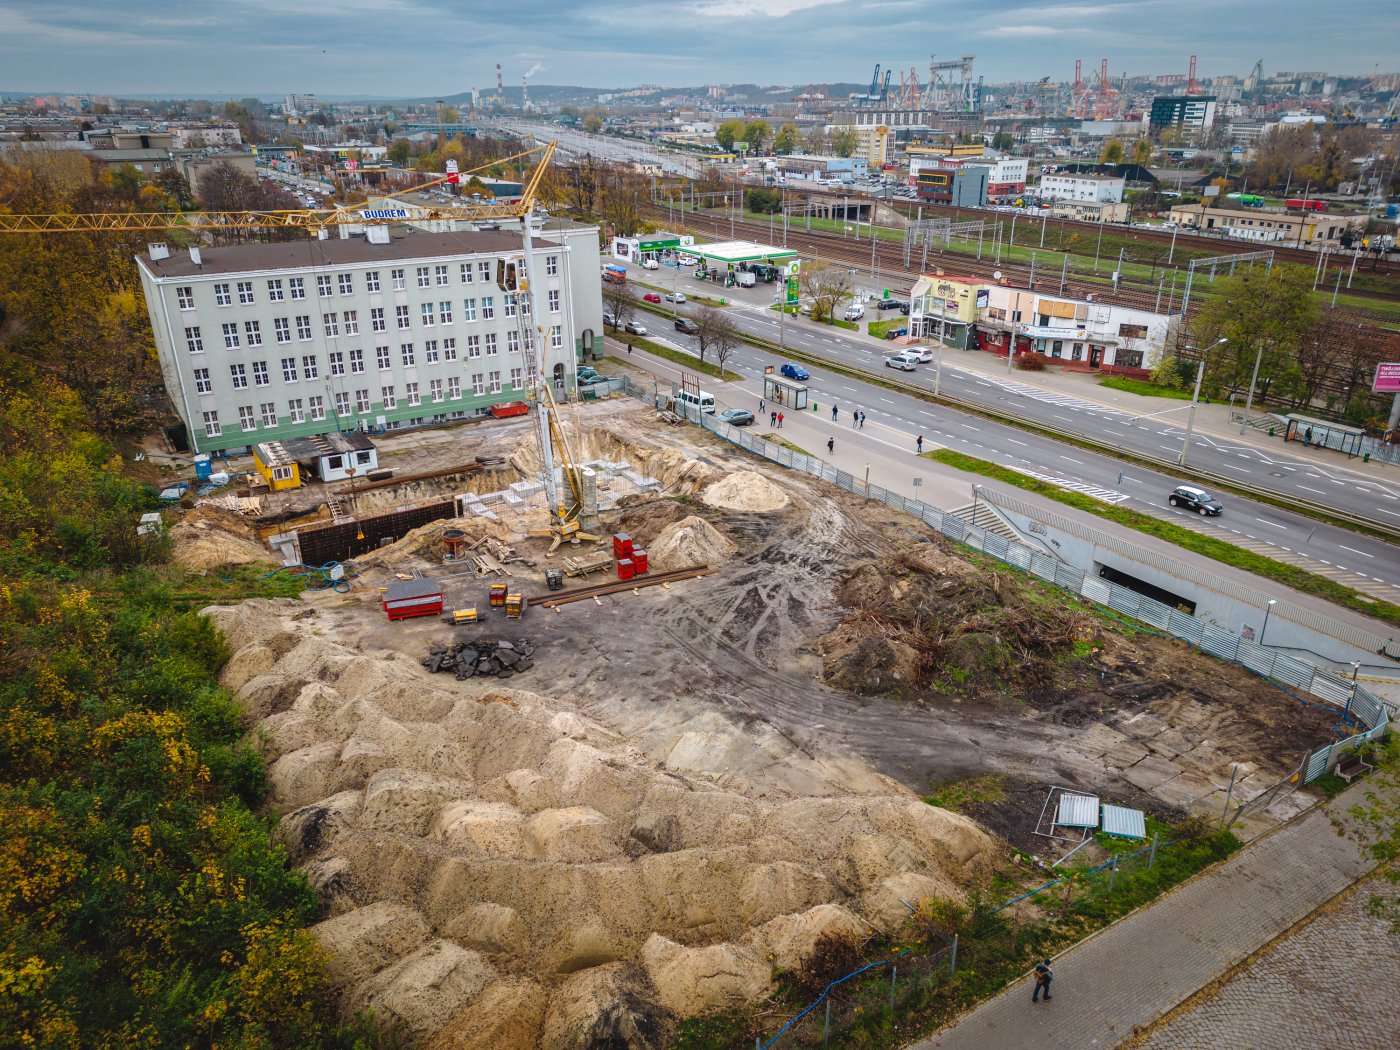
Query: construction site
x=576 y=760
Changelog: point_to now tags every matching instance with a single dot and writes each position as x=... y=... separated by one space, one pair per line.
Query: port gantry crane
x=564 y=523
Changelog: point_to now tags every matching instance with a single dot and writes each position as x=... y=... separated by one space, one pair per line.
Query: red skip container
x=624 y=569
x=622 y=545
x=639 y=561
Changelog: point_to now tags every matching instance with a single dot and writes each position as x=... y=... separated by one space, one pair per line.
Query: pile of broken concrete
x=482 y=658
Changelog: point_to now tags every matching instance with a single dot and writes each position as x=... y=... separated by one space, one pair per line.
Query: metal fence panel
x=1095 y=589
x=1329 y=688
x=1318 y=763
x=1293 y=671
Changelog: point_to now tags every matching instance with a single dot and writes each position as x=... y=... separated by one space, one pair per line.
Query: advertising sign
x=794 y=270
x=452 y=172
x=741 y=146
x=1387 y=379
x=984 y=297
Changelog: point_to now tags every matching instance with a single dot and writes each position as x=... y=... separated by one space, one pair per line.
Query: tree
x=593 y=123
x=716 y=333
x=1142 y=151
x=1262 y=315
x=1004 y=141
x=1112 y=152
x=844 y=141
x=828 y=286
x=787 y=139
x=816 y=140
x=756 y=133
x=624 y=197
x=399 y=152
x=764 y=202
x=728 y=133
x=583 y=180
x=619 y=302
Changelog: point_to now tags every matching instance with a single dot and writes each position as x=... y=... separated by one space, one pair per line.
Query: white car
x=923 y=353
x=904 y=361
x=650 y=264
x=675 y=297
x=635 y=328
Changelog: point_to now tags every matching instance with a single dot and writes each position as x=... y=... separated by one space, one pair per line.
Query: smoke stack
x=525 y=94
x=500 y=84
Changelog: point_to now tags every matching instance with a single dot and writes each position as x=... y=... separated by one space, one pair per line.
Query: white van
x=855 y=311
x=701 y=400
x=745 y=279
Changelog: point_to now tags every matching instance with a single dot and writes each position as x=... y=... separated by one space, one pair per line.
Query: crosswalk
x=1050 y=397
x=1099 y=493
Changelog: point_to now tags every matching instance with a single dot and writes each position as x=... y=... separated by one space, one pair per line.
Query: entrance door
x=558 y=379
x=1095 y=356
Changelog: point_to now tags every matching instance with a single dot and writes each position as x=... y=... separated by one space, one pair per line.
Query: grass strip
x=690 y=361
x=1261 y=565
x=1146 y=389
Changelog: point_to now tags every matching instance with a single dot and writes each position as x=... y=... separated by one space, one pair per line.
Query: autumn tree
x=619 y=302
x=625 y=194
x=1112 y=152
x=1142 y=151
x=1261 y=314
x=816 y=140
x=583 y=184
x=716 y=333
x=844 y=141
x=728 y=133
x=756 y=133
x=828 y=286
x=593 y=123
x=787 y=139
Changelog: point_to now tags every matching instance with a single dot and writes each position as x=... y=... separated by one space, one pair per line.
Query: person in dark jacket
x=1043 y=976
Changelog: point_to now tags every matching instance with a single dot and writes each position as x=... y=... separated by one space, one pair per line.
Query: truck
x=745 y=279
x=1298 y=204
x=615 y=274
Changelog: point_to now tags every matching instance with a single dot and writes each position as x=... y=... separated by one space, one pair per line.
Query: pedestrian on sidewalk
x=780 y=421
x=862 y=421
x=855 y=418
x=629 y=349
x=773 y=418
x=1043 y=976
x=830 y=445
x=834 y=410
x=760 y=406
x=919 y=445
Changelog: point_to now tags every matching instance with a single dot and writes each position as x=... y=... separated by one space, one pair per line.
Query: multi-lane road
x=1369 y=565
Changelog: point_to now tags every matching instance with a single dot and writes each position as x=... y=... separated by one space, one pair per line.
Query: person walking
x=1043 y=976
x=834 y=411
x=760 y=406
x=862 y=421
x=629 y=349
x=773 y=418
x=780 y=421
x=855 y=418
x=919 y=445
x=830 y=445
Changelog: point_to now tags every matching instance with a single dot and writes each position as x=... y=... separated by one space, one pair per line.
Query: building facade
x=263 y=342
x=950 y=182
x=1093 y=189
x=1191 y=112
x=1270 y=227
x=1006 y=176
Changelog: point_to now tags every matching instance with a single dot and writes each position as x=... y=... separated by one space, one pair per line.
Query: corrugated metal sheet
x=1078 y=811
x=1124 y=823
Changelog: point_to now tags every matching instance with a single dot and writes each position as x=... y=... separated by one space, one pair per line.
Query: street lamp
x=1267 y=610
x=1195 y=397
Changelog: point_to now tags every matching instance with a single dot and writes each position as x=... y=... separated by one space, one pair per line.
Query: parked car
x=635 y=328
x=887 y=304
x=793 y=371
x=652 y=297
x=675 y=297
x=650 y=264
x=904 y=361
x=737 y=417
x=1193 y=498
x=592 y=380
x=686 y=325
x=586 y=372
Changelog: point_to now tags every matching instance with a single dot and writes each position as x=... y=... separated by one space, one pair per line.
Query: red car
x=652 y=297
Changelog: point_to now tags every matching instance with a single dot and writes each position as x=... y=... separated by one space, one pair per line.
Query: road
x=1368 y=565
x=577 y=143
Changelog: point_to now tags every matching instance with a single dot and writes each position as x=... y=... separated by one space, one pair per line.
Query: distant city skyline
x=426 y=48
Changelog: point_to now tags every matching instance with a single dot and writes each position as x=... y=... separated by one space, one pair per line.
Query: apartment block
x=261 y=342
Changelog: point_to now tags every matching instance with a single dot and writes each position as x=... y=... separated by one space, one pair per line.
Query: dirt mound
x=690 y=541
x=462 y=835
x=643 y=517
x=677 y=472
x=208 y=537
x=745 y=490
x=425 y=542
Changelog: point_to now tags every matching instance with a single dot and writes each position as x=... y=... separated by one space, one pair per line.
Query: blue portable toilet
x=203 y=468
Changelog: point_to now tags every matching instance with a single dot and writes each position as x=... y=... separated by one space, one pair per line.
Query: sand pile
x=425 y=542
x=208 y=537
x=500 y=871
x=677 y=472
x=745 y=490
x=690 y=541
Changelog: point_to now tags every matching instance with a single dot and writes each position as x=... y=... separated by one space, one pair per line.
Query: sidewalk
x=1125 y=978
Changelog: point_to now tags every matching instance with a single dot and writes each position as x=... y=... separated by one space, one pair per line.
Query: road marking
x=1015 y=442
x=1071 y=459
x=1065 y=418
x=968 y=425
x=1272 y=523
x=1355 y=551
x=1311 y=489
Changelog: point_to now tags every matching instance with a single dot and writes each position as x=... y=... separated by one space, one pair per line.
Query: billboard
x=1387 y=379
x=794 y=272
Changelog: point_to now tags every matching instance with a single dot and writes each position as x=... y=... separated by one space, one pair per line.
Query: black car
x=685 y=324
x=887 y=304
x=1192 y=498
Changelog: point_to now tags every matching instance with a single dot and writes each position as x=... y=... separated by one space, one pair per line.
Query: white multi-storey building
x=1094 y=188
x=260 y=342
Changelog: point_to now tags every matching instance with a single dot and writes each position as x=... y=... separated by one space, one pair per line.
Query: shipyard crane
x=380 y=211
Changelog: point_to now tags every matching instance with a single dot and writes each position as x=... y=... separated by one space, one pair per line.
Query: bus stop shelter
x=785 y=392
x=1324 y=434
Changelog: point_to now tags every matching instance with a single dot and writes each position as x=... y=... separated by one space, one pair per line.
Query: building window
x=556 y=337
x=231 y=335
x=426 y=311
x=1132 y=331
x=304 y=328
x=478 y=384
x=554 y=300
x=517 y=378
x=411 y=392
x=357 y=362
x=1077 y=352
x=397 y=277
x=483 y=270
x=253 y=330
x=289 y=370
x=245 y=293
x=445 y=312
x=488 y=308
x=468 y=309
x=222 y=296
x=323 y=284
x=381 y=356
x=424 y=279
x=269 y=414
x=406 y=352
x=449 y=349
x=193 y=341
x=551 y=265
x=297 y=287
x=473 y=346
x=1057 y=348
x=247 y=419
x=401 y=316
x=317 y=405
x=352 y=322
x=512 y=342
x=308 y=365
x=466 y=273
x=386 y=394
x=260 y=376
x=454 y=387
x=509 y=301
x=185 y=297
x=371 y=280
x=495 y=378
x=282 y=329
x=430 y=351
x=337 y=363
x=440 y=275
x=376 y=319
x=331 y=322
x=282 y=473
x=202 y=385
x=346 y=283
x=211 y=425
x=491 y=349
x=435 y=389
x=342 y=403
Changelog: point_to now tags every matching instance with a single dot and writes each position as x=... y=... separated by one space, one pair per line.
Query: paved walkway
x=1129 y=976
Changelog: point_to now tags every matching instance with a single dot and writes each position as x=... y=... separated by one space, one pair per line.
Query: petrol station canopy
x=728 y=253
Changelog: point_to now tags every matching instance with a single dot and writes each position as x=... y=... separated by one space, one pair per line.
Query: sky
x=431 y=48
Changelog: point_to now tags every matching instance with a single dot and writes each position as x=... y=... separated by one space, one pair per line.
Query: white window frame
x=202 y=383
x=184 y=297
x=211 y=424
x=194 y=341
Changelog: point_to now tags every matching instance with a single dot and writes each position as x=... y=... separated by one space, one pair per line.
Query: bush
x=1031 y=362
x=832 y=958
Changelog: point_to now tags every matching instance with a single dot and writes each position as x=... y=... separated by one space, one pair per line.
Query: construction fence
x=1365 y=716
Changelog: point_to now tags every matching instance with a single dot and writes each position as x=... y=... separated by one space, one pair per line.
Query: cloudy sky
x=414 y=48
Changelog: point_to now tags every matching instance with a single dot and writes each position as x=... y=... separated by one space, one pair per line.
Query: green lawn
x=1146 y=389
x=1288 y=575
x=680 y=357
x=879 y=328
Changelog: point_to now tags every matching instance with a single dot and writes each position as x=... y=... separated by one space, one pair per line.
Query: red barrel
x=624 y=569
x=639 y=561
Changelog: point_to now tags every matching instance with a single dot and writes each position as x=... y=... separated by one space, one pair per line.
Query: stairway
x=986 y=517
